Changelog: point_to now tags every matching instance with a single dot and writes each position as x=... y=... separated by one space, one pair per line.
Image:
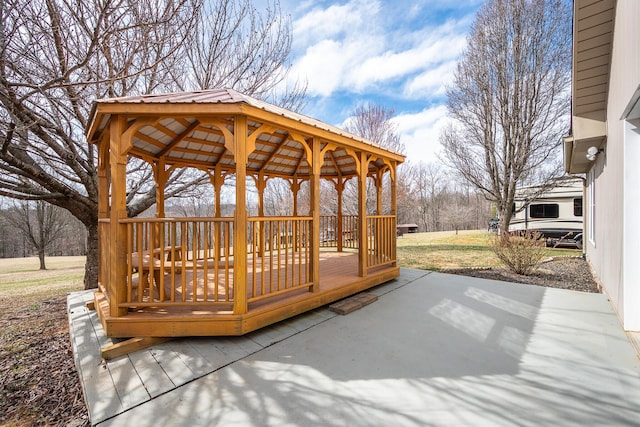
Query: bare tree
x=260 y=42
x=510 y=98
x=374 y=123
x=56 y=57
x=430 y=188
x=39 y=223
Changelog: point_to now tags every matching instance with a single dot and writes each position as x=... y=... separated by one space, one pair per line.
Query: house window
x=591 y=219
x=577 y=206
x=544 y=210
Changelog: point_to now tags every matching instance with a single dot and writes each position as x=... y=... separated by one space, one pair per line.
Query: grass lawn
x=21 y=278
x=444 y=250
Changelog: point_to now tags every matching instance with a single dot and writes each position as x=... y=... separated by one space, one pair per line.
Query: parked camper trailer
x=556 y=213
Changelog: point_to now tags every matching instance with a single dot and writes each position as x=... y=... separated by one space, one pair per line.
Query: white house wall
x=615 y=256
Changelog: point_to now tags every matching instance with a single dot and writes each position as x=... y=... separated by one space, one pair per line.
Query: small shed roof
x=189 y=128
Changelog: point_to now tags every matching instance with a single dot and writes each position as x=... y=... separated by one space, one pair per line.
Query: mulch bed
x=39 y=384
x=562 y=272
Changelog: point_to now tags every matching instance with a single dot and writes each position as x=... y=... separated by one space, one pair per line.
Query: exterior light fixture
x=592 y=152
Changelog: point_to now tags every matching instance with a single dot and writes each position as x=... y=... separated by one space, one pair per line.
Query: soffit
x=593 y=39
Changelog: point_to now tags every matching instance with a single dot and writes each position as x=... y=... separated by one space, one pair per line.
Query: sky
x=396 y=53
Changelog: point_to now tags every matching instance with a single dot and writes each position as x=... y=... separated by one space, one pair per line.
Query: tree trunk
x=41 y=257
x=93 y=254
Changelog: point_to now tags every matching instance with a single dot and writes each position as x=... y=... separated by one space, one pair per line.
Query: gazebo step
x=353 y=303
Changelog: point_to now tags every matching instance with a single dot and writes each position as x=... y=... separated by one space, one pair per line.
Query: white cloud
x=336 y=21
x=420 y=133
x=348 y=47
x=430 y=82
x=401 y=54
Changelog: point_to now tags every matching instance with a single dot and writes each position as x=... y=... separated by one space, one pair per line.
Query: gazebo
x=208 y=276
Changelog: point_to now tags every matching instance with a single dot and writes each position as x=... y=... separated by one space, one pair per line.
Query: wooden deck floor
x=338 y=279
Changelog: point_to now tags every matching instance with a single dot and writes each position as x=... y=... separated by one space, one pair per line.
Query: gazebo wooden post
x=314 y=205
x=339 y=186
x=363 y=249
x=160 y=175
x=103 y=208
x=261 y=184
x=378 y=183
x=240 y=154
x=117 y=232
x=294 y=185
x=378 y=230
x=217 y=180
x=394 y=207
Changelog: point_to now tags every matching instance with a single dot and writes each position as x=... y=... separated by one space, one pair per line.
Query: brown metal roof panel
x=204 y=96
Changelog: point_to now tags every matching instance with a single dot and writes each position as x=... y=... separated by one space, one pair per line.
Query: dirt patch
x=563 y=273
x=38 y=380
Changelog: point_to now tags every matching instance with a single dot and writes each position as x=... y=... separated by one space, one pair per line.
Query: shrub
x=521 y=253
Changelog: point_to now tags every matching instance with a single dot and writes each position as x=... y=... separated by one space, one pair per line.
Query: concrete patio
x=435 y=349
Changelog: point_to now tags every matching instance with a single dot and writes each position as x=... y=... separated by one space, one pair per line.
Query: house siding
x=615 y=256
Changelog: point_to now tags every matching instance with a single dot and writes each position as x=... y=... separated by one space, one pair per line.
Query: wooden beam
x=273 y=153
x=178 y=139
x=129 y=346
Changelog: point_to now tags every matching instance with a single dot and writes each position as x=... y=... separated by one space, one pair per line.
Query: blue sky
x=399 y=54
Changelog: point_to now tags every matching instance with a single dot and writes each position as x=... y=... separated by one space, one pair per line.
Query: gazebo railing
x=279 y=253
x=190 y=261
x=329 y=231
x=381 y=240
x=179 y=261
